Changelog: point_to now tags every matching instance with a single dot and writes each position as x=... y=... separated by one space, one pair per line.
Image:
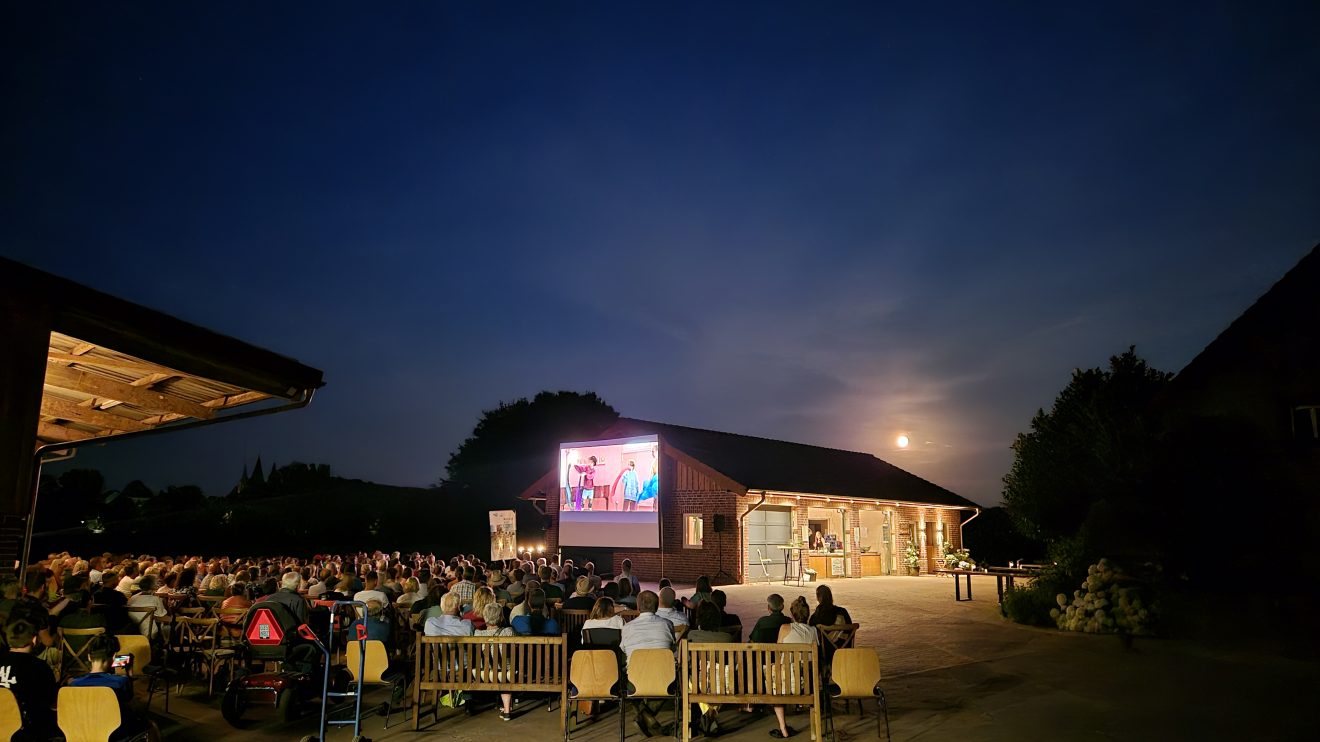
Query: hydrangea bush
x=958 y=558
x=1106 y=603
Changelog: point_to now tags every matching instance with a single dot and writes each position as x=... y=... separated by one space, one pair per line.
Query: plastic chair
x=11 y=718
x=77 y=657
x=593 y=675
x=601 y=637
x=89 y=714
x=856 y=675
x=138 y=646
x=376 y=671
x=653 y=674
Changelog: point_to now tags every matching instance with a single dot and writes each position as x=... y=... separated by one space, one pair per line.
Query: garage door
x=767 y=528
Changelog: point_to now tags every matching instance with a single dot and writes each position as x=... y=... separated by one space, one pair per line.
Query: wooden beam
x=100 y=386
x=82 y=348
x=154 y=379
x=60 y=434
x=233 y=400
x=132 y=366
x=65 y=410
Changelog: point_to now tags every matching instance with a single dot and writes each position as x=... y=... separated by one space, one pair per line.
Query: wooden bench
x=770 y=674
x=508 y=664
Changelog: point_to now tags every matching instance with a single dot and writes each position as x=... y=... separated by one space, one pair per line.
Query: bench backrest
x=504 y=663
x=780 y=674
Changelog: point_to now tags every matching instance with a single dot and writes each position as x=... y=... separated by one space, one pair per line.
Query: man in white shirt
x=648 y=630
x=667 y=610
x=448 y=622
x=369 y=591
x=129 y=580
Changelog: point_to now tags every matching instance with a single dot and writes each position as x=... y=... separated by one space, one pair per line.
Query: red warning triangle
x=263 y=630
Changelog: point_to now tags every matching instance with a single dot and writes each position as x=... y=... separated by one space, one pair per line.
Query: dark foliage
x=995 y=540
x=1088 y=461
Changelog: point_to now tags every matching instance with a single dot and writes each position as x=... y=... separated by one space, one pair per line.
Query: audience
x=603 y=616
x=827 y=613
x=797 y=631
x=26 y=675
x=667 y=611
x=537 y=620
x=582 y=598
x=767 y=627
x=448 y=623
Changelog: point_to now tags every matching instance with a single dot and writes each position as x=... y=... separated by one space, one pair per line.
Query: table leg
x=969 y=587
x=999 y=586
x=957 y=589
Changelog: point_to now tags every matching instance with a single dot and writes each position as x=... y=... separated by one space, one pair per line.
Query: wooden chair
x=138 y=646
x=856 y=674
x=652 y=675
x=231 y=632
x=76 y=660
x=89 y=714
x=842 y=636
x=733 y=630
x=201 y=637
x=593 y=675
x=143 y=617
x=679 y=631
x=11 y=718
x=628 y=614
x=570 y=622
x=375 y=671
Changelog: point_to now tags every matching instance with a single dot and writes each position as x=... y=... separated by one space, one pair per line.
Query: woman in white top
x=797 y=632
x=147 y=599
x=602 y=617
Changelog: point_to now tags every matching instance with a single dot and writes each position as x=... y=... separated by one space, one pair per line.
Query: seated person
x=376 y=622
x=518 y=600
x=827 y=613
x=237 y=599
x=667 y=610
x=147 y=598
x=708 y=625
x=546 y=576
x=25 y=674
x=627 y=596
x=766 y=629
x=582 y=598
x=480 y=599
x=797 y=631
x=78 y=616
x=721 y=601
x=288 y=596
x=702 y=592
x=602 y=617
x=647 y=631
x=448 y=623
x=101 y=650
x=537 y=620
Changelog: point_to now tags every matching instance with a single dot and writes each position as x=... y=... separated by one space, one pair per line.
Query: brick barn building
x=727 y=503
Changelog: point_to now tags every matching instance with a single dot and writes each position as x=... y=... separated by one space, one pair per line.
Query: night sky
x=827 y=223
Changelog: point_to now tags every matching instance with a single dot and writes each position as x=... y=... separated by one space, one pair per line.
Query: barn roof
x=782 y=466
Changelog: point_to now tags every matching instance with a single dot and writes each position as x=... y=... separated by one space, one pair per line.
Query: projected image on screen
x=609 y=493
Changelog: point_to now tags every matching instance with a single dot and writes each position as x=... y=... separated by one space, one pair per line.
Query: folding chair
x=653 y=674
x=593 y=675
x=76 y=659
x=11 y=718
x=856 y=674
x=765 y=565
x=89 y=714
x=376 y=672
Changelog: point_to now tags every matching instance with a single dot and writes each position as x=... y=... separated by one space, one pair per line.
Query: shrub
x=1030 y=605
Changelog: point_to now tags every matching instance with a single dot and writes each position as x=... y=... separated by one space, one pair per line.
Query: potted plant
x=912 y=555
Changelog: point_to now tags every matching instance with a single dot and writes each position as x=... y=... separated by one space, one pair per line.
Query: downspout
x=742 y=537
x=961 y=541
x=302 y=401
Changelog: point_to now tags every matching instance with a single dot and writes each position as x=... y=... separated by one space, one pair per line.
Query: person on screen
x=586 y=490
x=651 y=488
x=632 y=488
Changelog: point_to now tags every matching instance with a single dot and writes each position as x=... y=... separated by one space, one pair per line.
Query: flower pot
x=914 y=571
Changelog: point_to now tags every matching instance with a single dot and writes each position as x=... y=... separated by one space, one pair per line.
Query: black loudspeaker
x=719 y=523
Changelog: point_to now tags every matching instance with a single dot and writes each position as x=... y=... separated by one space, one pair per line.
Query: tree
x=1088 y=460
x=515 y=444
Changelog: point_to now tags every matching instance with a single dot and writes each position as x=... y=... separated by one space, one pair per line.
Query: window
x=1306 y=424
x=939 y=537
x=692 y=531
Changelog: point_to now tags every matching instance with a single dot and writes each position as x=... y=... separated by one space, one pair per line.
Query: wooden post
x=24 y=342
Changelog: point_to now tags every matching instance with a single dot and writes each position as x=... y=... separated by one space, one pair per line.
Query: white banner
x=503 y=535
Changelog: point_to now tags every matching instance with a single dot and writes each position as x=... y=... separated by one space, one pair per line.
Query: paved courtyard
x=953 y=671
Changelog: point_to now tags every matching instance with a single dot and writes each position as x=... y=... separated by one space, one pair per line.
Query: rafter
x=63 y=410
x=127 y=365
x=100 y=386
x=60 y=434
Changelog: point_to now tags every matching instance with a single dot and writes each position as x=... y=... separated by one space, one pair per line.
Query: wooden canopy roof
x=115 y=368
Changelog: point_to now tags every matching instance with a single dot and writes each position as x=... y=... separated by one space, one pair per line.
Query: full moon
x=902 y=441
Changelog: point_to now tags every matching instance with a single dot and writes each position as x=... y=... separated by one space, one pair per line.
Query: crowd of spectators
x=461 y=596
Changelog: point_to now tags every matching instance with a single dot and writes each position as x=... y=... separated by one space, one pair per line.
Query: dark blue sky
x=828 y=223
